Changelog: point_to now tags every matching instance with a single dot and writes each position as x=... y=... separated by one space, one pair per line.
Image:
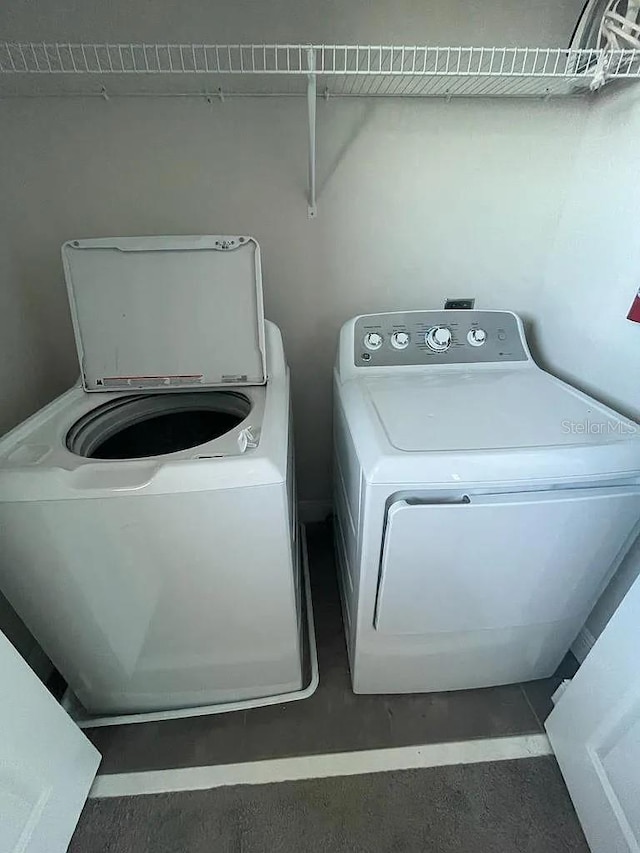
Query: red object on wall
x=634 y=313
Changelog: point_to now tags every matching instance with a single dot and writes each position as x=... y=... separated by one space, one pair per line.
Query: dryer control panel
x=402 y=338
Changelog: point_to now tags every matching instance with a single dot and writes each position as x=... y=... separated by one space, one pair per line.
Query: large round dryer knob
x=438 y=339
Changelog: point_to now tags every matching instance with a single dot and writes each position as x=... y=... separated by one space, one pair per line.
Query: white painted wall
x=511 y=202
x=592 y=273
x=454 y=22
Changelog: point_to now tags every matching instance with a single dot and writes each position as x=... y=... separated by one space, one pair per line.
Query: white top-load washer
x=147 y=515
x=481 y=504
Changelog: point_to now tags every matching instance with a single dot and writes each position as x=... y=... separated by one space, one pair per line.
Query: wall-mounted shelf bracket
x=312 y=209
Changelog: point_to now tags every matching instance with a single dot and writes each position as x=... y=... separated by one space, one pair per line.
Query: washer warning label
x=150 y=381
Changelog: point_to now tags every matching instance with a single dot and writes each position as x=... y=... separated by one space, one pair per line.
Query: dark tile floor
x=334 y=719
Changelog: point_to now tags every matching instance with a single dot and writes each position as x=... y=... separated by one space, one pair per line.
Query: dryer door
x=501 y=561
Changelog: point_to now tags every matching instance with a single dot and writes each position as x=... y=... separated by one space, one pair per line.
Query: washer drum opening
x=156 y=424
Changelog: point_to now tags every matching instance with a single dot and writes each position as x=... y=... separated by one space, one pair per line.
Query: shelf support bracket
x=311 y=114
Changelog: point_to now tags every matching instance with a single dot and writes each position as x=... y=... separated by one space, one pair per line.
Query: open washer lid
x=166 y=312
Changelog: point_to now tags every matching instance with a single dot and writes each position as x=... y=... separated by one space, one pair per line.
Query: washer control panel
x=437 y=337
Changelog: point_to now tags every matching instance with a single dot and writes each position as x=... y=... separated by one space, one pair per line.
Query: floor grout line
x=321 y=766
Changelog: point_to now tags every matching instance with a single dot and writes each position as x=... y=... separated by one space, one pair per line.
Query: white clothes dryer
x=147 y=515
x=481 y=504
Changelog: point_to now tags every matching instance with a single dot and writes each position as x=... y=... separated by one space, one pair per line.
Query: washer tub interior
x=134 y=427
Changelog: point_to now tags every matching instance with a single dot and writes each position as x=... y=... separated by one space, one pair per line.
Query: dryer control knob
x=477 y=337
x=373 y=340
x=438 y=339
x=400 y=340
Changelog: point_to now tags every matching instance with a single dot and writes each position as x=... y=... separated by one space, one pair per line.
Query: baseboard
x=583 y=644
x=312 y=511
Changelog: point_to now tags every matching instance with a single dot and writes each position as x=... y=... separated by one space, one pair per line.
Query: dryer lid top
x=491 y=410
x=166 y=312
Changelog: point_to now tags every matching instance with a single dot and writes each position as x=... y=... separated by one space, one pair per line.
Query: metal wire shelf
x=340 y=70
x=378 y=71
